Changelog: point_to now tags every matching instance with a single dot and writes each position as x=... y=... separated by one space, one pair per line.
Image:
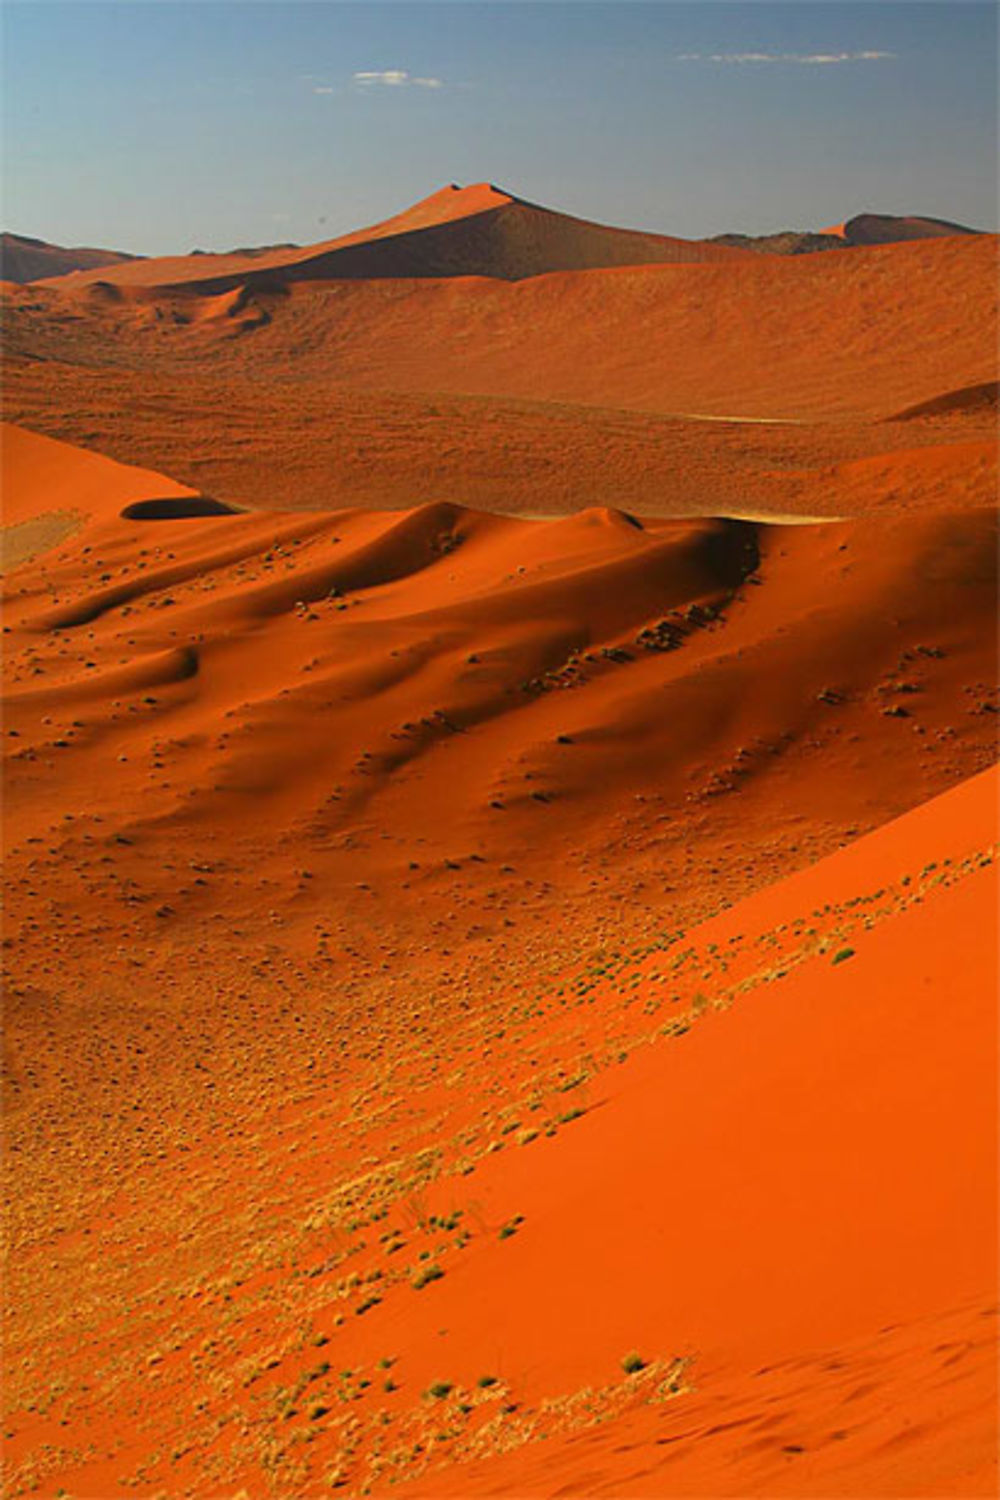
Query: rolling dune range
x=536 y=394
x=487 y=844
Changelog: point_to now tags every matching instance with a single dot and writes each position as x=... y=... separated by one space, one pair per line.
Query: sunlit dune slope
x=776 y=337
x=50 y=490
x=797 y=1195
x=792 y=338
x=757 y=1155
x=474 y=231
x=424 y=687
x=38 y=475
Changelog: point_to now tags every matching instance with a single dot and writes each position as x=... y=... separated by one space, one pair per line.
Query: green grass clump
x=633 y=1363
x=426 y=1276
x=841 y=955
x=439 y=1389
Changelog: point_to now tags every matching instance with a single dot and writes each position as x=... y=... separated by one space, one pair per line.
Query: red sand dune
x=822 y=1243
x=537 y=396
x=474 y=231
x=887 y=229
x=23 y=259
x=452 y=951
x=321 y=1180
x=439 y=644
x=50 y=491
x=863 y=229
x=38 y=476
x=795 y=337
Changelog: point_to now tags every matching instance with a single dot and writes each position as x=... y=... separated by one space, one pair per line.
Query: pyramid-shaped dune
x=474 y=231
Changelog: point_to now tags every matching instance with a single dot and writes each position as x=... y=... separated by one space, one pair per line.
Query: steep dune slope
x=474 y=231
x=39 y=475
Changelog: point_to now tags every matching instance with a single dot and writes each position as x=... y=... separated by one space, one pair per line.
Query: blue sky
x=160 y=126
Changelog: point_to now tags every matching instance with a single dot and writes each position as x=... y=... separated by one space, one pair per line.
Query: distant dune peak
x=863 y=229
x=879 y=229
x=869 y=228
x=25 y=259
x=453 y=201
x=479 y=230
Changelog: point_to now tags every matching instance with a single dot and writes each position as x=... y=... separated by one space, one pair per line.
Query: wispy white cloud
x=803 y=59
x=324 y=88
x=395 y=78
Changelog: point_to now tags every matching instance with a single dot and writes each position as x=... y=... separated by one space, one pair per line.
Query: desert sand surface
x=500 y=871
x=539 y=394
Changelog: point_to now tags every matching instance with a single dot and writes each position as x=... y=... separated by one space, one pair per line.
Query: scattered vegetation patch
x=426 y=1275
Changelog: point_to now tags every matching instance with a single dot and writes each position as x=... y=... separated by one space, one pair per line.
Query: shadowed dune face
x=970 y=400
x=175 y=508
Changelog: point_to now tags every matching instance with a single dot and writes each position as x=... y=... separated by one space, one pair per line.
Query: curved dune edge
x=41 y=474
x=37 y=470
x=177 y=508
x=385 y=1066
x=969 y=399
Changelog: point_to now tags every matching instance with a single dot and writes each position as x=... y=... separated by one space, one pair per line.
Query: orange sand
x=536 y=396
x=449 y=951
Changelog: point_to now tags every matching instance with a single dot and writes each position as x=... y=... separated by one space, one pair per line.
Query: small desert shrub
x=633 y=1363
x=426 y=1276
